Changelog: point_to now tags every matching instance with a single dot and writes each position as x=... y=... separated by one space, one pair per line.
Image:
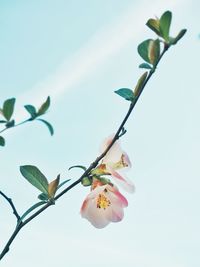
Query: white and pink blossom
x=115 y=163
x=104 y=204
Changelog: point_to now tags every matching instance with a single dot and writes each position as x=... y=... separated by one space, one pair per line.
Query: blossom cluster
x=105 y=203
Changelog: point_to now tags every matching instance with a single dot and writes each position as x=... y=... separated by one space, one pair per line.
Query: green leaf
x=34 y=176
x=44 y=107
x=154 y=51
x=145 y=66
x=30 y=210
x=31 y=110
x=140 y=83
x=8 y=108
x=2 y=141
x=43 y=197
x=78 y=166
x=153 y=24
x=49 y=126
x=165 y=22
x=143 y=50
x=173 y=41
x=86 y=181
x=126 y=93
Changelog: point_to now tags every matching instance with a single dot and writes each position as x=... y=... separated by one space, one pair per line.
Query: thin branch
x=20 y=123
x=9 y=200
x=92 y=166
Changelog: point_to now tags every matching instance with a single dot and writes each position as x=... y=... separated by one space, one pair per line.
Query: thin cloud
x=107 y=42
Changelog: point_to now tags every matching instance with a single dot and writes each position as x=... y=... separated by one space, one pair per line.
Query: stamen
x=121 y=163
x=103 y=202
x=124 y=164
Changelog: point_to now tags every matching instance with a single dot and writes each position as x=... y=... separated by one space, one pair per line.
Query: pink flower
x=115 y=162
x=103 y=205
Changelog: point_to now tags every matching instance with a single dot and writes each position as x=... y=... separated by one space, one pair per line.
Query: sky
x=79 y=53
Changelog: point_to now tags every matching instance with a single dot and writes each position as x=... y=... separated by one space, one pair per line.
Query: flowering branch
x=149 y=50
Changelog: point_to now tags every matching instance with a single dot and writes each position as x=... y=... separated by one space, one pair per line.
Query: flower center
x=103 y=202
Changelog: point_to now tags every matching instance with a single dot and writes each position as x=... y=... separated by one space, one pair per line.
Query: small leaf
x=154 y=51
x=2 y=141
x=173 y=41
x=78 y=166
x=86 y=181
x=49 y=126
x=43 y=197
x=143 y=50
x=8 y=108
x=34 y=176
x=140 y=83
x=165 y=22
x=44 y=107
x=31 y=110
x=126 y=93
x=145 y=66
x=153 y=24
x=31 y=209
x=53 y=186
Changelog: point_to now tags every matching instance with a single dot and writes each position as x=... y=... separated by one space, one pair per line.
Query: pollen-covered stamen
x=121 y=163
x=102 y=201
x=124 y=162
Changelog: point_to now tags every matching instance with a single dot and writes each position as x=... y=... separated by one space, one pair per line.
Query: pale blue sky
x=79 y=52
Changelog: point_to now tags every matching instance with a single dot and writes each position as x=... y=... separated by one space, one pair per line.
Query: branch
x=20 y=123
x=9 y=200
x=92 y=166
x=34 y=115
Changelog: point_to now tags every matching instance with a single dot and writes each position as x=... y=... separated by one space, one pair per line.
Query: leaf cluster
x=35 y=114
x=7 y=112
x=150 y=52
x=34 y=176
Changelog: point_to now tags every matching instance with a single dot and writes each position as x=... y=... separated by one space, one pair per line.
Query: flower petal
x=117 y=214
x=116 y=196
x=126 y=160
x=121 y=199
x=97 y=217
x=114 y=154
x=98 y=213
x=126 y=184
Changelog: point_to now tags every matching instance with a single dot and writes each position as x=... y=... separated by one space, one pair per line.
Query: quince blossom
x=104 y=205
